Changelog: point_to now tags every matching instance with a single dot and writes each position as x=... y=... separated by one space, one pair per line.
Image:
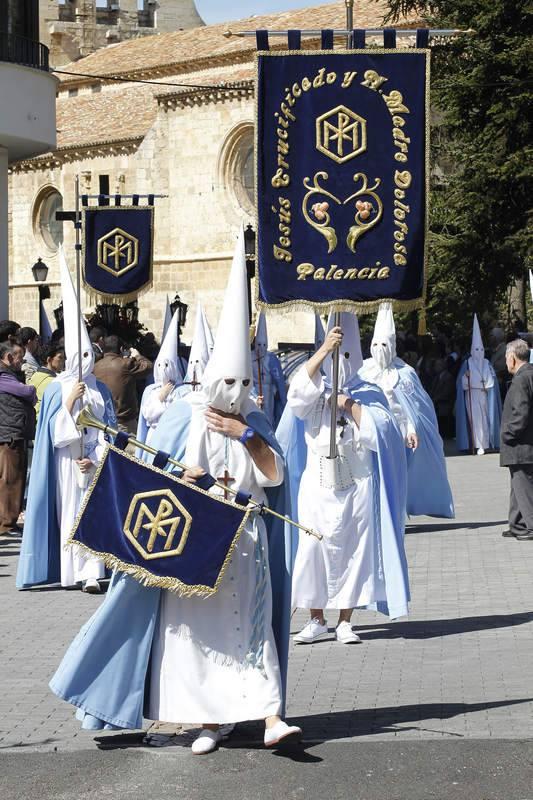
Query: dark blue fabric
x=358 y=38
x=422 y=37
x=121 y=440
x=160 y=459
x=100 y=222
x=262 y=40
x=122 y=485
x=294 y=39
x=327 y=39
x=288 y=244
x=389 y=38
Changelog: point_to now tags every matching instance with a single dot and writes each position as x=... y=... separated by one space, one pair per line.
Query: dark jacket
x=120 y=375
x=517 y=420
x=17 y=414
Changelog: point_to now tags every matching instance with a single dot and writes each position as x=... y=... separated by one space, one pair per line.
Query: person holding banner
x=356 y=501
x=415 y=415
x=211 y=661
x=478 y=407
x=64 y=461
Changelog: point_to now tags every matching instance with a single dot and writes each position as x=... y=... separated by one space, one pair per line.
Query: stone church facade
x=192 y=142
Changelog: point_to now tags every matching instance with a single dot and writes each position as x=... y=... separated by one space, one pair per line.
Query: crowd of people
x=229 y=410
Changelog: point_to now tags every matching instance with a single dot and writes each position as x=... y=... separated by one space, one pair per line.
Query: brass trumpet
x=86 y=419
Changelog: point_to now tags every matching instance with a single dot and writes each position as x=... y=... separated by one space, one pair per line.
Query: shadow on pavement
x=430 y=527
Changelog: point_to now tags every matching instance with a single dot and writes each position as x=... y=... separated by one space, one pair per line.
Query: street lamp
x=40 y=274
x=249 y=252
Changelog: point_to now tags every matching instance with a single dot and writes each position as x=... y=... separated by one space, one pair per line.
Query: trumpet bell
x=86 y=419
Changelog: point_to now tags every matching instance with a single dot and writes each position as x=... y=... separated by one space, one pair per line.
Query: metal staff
x=471 y=413
x=87 y=419
x=337 y=316
x=433 y=32
x=77 y=231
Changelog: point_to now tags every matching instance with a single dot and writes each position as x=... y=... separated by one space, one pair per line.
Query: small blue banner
x=118 y=245
x=342 y=178
x=150 y=524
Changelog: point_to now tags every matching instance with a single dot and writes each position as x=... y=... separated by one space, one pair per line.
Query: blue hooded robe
x=105 y=671
x=40 y=558
x=494 y=404
x=389 y=481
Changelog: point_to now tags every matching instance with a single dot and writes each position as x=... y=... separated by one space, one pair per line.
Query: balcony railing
x=19 y=50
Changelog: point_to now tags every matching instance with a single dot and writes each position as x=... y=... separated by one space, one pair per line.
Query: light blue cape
x=273 y=365
x=462 y=426
x=428 y=489
x=389 y=491
x=39 y=561
x=104 y=671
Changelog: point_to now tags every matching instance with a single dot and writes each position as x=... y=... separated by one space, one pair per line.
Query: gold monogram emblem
x=118 y=252
x=157 y=517
x=340 y=134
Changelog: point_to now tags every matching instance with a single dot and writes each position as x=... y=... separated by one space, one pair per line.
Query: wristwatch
x=246 y=435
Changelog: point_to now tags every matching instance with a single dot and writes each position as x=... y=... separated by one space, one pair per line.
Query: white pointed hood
x=477 y=351
x=261 y=336
x=70 y=318
x=383 y=347
x=167 y=319
x=201 y=348
x=350 y=354
x=231 y=358
x=166 y=368
x=320 y=334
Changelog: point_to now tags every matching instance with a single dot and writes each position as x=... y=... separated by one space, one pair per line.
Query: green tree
x=480 y=233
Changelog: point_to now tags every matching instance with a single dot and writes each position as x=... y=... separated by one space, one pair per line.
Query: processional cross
x=226 y=479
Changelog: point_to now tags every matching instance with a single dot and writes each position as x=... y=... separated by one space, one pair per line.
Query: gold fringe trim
x=362 y=307
x=96 y=298
x=422 y=322
x=141 y=574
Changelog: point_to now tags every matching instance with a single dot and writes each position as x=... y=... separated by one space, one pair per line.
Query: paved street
x=437 y=707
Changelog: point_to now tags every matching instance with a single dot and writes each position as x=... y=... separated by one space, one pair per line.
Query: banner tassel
x=422 y=322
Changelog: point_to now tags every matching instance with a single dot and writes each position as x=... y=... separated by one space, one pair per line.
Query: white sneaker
x=206 y=742
x=282 y=734
x=312 y=632
x=91 y=586
x=345 y=634
x=480 y=451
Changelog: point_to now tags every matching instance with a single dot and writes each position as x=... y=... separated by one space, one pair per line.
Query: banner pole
x=77 y=229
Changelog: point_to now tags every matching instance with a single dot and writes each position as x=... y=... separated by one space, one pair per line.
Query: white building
x=28 y=108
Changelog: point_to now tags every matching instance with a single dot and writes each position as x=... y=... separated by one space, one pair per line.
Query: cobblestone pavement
x=460 y=668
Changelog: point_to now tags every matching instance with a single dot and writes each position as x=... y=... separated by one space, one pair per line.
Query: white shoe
x=91 y=586
x=206 y=742
x=345 y=634
x=282 y=734
x=480 y=451
x=312 y=632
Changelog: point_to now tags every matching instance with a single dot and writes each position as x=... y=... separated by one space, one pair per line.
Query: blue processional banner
x=117 y=251
x=155 y=527
x=342 y=178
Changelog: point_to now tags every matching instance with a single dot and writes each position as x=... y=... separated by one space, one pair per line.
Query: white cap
x=385 y=329
x=201 y=348
x=167 y=319
x=231 y=357
x=261 y=336
x=477 y=351
x=71 y=317
x=350 y=354
x=166 y=366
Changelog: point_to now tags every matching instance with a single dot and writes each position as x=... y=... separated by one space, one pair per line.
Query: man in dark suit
x=516 y=449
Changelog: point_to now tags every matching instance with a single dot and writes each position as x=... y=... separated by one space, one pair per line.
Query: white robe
x=75 y=567
x=341 y=570
x=199 y=671
x=153 y=408
x=476 y=400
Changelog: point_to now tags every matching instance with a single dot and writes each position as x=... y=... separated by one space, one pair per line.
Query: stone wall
x=184 y=155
